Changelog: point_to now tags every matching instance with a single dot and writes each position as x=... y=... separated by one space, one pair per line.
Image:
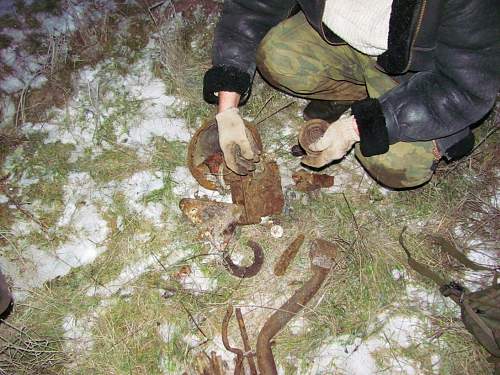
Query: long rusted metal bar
x=246 y=342
x=322 y=255
x=238 y=369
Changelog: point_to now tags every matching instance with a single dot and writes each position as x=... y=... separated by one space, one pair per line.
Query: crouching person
x=400 y=80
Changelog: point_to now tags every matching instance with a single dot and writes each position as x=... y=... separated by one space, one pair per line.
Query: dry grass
x=361 y=220
x=24 y=351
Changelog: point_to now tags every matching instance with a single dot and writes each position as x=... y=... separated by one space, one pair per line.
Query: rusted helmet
x=205 y=158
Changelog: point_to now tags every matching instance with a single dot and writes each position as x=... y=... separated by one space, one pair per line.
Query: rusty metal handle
x=225 y=341
x=322 y=255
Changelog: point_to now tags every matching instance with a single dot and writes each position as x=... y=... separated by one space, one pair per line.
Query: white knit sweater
x=363 y=24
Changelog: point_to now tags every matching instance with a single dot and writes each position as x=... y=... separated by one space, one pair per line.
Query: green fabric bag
x=480 y=310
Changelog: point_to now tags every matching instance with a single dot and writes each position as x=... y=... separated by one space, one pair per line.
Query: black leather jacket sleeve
x=243 y=24
x=460 y=89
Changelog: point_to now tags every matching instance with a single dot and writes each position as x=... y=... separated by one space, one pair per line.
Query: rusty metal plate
x=307 y=181
x=260 y=194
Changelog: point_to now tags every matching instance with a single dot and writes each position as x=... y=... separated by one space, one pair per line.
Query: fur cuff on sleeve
x=374 y=138
x=225 y=78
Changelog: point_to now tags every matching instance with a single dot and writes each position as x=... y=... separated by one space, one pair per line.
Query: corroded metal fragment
x=288 y=255
x=205 y=158
x=260 y=193
x=204 y=145
x=225 y=341
x=246 y=271
x=246 y=342
x=307 y=182
x=310 y=133
x=322 y=255
x=216 y=220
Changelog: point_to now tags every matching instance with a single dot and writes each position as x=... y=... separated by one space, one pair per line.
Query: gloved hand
x=236 y=142
x=334 y=144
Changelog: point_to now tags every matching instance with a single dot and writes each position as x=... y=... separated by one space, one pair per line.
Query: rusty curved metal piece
x=205 y=157
x=246 y=271
x=203 y=145
x=311 y=132
x=238 y=370
x=322 y=255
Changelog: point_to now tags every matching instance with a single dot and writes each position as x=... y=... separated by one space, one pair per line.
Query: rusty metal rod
x=322 y=256
x=215 y=364
x=288 y=255
x=238 y=369
x=246 y=342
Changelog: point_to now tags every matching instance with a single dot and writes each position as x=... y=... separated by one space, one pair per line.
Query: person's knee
x=272 y=64
x=403 y=178
x=404 y=166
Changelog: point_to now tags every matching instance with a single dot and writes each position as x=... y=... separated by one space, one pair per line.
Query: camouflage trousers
x=294 y=58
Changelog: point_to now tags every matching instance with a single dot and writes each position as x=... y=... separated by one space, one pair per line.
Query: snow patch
x=7 y=110
x=359 y=357
x=298 y=326
x=87 y=230
x=197 y=282
x=137 y=187
x=167 y=332
x=11 y=84
x=78 y=333
x=187 y=187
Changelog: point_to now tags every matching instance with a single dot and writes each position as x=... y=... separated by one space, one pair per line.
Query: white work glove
x=236 y=142
x=334 y=144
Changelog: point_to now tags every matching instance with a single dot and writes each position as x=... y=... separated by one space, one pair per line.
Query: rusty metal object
x=288 y=255
x=321 y=255
x=205 y=364
x=246 y=343
x=260 y=193
x=310 y=133
x=248 y=271
x=216 y=364
x=225 y=341
x=205 y=157
x=307 y=182
x=216 y=220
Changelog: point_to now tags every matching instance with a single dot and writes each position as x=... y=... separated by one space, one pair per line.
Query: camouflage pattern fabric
x=294 y=58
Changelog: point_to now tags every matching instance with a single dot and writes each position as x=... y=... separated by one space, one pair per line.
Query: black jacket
x=445 y=52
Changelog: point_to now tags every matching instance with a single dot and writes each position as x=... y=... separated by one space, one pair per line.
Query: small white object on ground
x=277 y=231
